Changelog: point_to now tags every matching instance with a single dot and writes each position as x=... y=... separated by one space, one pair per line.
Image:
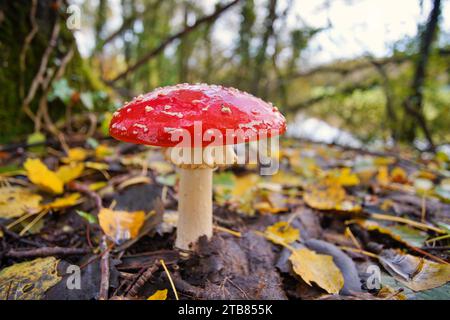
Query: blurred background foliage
x=47 y=86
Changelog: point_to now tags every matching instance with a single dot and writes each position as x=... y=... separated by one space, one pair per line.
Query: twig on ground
x=104 y=267
x=75 y=186
x=46 y=252
x=15 y=236
x=142 y=279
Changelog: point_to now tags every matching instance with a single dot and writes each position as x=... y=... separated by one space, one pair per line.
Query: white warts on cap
x=140 y=126
x=176 y=114
x=148 y=109
x=226 y=109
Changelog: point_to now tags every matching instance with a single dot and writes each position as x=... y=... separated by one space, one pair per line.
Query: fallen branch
x=142 y=280
x=46 y=252
x=104 y=269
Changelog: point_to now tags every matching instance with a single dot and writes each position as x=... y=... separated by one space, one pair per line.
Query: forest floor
x=96 y=220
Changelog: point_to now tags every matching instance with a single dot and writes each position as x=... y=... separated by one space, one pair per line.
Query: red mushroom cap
x=152 y=118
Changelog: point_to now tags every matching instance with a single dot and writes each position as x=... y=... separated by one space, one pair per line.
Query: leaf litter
x=307 y=232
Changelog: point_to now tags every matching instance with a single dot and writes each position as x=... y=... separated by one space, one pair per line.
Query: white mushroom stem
x=194 y=206
x=195 y=190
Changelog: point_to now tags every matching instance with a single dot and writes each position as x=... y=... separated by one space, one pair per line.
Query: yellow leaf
x=97 y=185
x=284 y=178
x=121 y=225
x=330 y=197
x=63 y=202
x=159 y=295
x=70 y=172
x=383 y=175
x=318 y=268
x=15 y=201
x=244 y=184
x=416 y=273
x=343 y=177
x=399 y=175
x=282 y=232
x=97 y=165
x=28 y=280
x=103 y=151
x=75 y=155
x=40 y=175
x=161 y=167
x=381 y=161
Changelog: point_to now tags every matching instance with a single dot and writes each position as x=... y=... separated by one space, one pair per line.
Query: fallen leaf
x=15 y=201
x=416 y=273
x=63 y=202
x=75 y=155
x=330 y=197
x=102 y=151
x=343 y=177
x=28 y=280
x=423 y=185
x=159 y=295
x=282 y=232
x=70 y=172
x=398 y=175
x=401 y=233
x=40 y=175
x=97 y=165
x=87 y=216
x=121 y=225
x=286 y=179
x=318 y=268
x=383 y=176
x=161 y=167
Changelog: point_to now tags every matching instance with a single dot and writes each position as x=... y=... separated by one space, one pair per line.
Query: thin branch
x=172 y=38
x=104 y=267
x=39 y=78
x=46 y=252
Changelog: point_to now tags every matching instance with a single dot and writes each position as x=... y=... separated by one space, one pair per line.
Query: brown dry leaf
x=70 y=172
x=40 y=175
x=28 y=280
x=330 y=197
x=318 y=268
x=121 y=225
x=418 y=274
x=15 y=201
x=159 y=295
x=282 y=232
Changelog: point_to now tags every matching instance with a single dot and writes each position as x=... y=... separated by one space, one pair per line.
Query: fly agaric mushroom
x=197 y=113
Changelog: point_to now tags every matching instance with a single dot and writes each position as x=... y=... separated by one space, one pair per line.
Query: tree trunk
x=413 y=104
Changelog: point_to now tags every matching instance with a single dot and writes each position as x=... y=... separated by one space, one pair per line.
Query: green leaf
x=36 y=138
x=167 y=180
x=61 y=90
x=87 y=100
x=87 y=216
x=411 y=236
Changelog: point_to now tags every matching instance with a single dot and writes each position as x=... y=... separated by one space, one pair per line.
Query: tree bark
x=413 y=104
